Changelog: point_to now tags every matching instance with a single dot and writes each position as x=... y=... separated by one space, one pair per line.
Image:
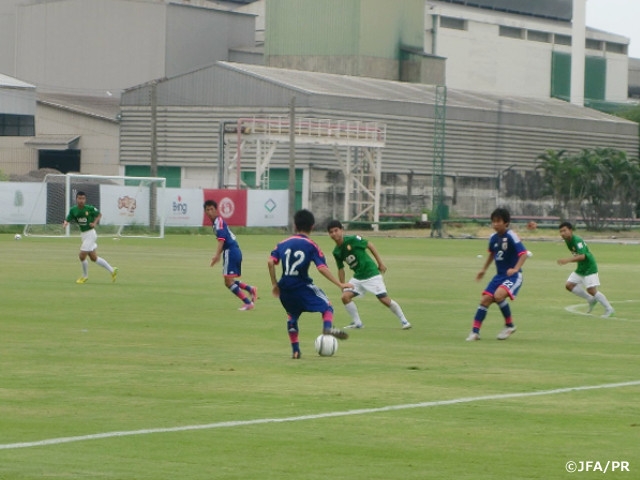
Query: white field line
x=240 y=423
x=576 y=310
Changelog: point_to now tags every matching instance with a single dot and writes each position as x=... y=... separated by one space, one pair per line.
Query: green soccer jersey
x=353 y=252
x=577 y=246
x=83 y=216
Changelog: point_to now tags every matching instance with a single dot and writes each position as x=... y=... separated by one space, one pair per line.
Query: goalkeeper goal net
x=130 y=206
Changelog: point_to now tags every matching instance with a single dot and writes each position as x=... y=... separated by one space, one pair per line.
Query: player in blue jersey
x=509 y=254
x=229 y=252
x=296 y=289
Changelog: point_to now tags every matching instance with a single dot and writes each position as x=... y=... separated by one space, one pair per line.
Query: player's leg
x=313 y=299
x=231 y=270
x=293 y=331
x=574 y=285
x=350 y=306
x=377 y=286
x=592 y=283
x=481 y=312
x=85 y=267
x=508 y=289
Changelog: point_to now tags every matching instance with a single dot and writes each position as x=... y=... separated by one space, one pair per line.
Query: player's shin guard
x=237 y=291
x=327 y=320
x=506 y=313
x=481 y=314
x=397 y=311
x=292 y=330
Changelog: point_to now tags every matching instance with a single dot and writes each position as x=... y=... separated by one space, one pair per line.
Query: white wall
x=479 y=59
x=90 y=46
x=99 y=138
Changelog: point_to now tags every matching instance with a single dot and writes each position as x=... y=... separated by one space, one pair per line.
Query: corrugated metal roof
x=551 y=9
x=411 y=93
x=11 y=82
x=106 y=107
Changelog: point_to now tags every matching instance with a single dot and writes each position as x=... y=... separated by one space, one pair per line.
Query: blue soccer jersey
x=224 y=234
x=296 y=254
x=506 y=250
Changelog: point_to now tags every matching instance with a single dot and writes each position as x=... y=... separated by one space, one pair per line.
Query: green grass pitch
x=159 y=376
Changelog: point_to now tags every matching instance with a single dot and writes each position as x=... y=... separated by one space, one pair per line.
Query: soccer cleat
x=355 y=325
x=254 y=294
x=114 y=274
x=608 y=312
x=473 y=337
x=247 y=306
x=296 y=355
x=506 y=333
x=406 y=325
x=336 y=332
x=82 y=280
x=592 y=304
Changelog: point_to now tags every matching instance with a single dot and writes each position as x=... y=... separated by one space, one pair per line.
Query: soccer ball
x=18 y=236
x=326 y=345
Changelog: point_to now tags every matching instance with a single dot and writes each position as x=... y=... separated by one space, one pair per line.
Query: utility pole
x=153 y=165
x=292 y=162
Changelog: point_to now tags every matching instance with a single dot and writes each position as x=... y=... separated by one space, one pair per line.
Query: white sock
x=599 y=296
x=397 y=311
x=352 y=310
x=104 y=264
x=579 y=291
x=85 y=267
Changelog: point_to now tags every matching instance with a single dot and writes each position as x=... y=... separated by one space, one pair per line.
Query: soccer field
x=159 y=376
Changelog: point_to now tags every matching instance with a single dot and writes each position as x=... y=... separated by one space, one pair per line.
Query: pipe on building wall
x=578 y=38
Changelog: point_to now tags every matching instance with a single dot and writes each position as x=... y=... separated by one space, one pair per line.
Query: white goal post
x=130 y=206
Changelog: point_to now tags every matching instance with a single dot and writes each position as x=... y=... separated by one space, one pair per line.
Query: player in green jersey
x=87 y=217
x=367 y=275
x=586 y=274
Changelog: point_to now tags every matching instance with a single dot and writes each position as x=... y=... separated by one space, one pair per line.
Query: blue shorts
x=232 y=262
x=511 y=284
x=308 y=298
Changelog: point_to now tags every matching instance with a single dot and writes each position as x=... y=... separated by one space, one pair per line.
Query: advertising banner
x=267 y=208
x=19 y=200
x=183 y=207
x=124 y=205
x=232 y=206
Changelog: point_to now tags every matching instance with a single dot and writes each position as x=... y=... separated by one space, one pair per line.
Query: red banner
x=232 y=206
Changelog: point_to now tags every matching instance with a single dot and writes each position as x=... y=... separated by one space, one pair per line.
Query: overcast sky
x=617 y=16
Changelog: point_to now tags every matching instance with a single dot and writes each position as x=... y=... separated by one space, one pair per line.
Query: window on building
x=455 y=23
x=616 y=48
x=562 y=39
x=511 y=32
x=537 y=36
x=593 y=44
x=17 y=125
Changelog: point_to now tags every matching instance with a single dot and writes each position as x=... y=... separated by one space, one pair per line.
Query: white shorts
x=374 y=285
x=587 y=280
x=89 y=239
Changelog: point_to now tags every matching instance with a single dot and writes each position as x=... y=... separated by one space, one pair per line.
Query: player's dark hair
x=304 y=220
x=502 y=214
x=566 y=224
x=209 y=203
x=80 y=193
x=334 y=224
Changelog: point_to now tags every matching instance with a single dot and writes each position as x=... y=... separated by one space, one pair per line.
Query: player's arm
x=487 y=262
x=381 y=266
x=521 y=259
x=96 y=221
x=326 y=273
x=341 y=275
x=575 y=258
x=218 y=254
x=271 y=265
